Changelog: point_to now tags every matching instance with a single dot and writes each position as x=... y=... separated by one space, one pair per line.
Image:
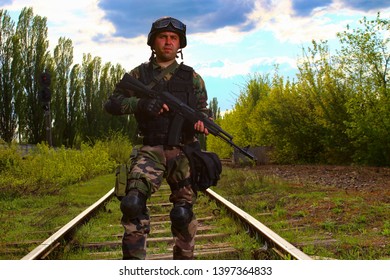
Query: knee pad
x=181 y=215
x=133 y=204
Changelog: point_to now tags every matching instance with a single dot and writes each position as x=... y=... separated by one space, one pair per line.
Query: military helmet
x=168 y=24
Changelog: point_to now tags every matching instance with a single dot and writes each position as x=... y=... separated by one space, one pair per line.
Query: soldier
x=157 y=159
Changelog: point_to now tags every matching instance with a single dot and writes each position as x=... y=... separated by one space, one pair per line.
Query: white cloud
x=83 y=22
x=279 y=18
x=228 y=68
x=82 y=19
x=226 y=35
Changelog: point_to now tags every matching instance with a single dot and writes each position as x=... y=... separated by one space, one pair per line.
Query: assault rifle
x=182 y=111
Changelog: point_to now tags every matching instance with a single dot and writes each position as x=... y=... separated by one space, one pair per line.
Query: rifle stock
x=183 y=110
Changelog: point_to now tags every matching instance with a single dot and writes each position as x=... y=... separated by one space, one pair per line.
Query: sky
x=229 y=41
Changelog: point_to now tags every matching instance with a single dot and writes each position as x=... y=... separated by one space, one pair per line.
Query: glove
x=151 y=107
x=113 y=106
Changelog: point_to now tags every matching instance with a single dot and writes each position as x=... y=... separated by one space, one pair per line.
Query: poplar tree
x=8 y=81
x=63 y=60
x=31 y=33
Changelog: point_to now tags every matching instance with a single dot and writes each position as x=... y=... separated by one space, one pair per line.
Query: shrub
x=10 y=158
x=118 y=146
x=47 y=170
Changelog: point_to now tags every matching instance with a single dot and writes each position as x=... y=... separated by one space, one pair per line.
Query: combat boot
x=182 y=254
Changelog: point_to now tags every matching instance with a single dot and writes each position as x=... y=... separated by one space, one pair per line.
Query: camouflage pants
x=150 y=165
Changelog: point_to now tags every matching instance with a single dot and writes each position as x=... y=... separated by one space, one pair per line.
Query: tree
x=90 y=70
x=31 y=33
x=365 y=58
x=215 y=110
x=78 y=91
x=322 y=83
x=63 y=60
x=8 y=81
x=74 y=125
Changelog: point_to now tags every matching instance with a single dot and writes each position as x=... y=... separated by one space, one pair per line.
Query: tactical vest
x=156 y=130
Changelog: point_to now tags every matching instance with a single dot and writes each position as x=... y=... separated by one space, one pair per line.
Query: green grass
x=34 y=218
x=355 y=222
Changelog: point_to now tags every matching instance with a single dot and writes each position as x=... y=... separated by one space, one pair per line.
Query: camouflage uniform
x=150 y=165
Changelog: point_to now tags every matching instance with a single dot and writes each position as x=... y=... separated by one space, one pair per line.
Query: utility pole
x=45 y=96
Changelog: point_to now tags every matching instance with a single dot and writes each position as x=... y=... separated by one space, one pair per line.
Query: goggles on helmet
x=168 y=24
x=164 y=22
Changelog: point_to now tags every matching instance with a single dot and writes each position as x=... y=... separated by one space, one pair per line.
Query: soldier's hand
x=199 y=127
x=152 y=107
x=113 y=106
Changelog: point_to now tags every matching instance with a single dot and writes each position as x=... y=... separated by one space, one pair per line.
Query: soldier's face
x=166 y=45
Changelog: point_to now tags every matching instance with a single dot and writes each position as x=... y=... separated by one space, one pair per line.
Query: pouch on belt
x=121 y=181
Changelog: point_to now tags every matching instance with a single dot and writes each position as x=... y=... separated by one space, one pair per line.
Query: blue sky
x=228 y=40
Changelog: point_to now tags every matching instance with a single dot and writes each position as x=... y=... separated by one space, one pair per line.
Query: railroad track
x=225 y=232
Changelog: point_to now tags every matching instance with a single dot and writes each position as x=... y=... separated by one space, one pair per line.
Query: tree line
x=79 y=90
x=336 y=111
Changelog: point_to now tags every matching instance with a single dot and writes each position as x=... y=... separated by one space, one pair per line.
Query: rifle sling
x=160 y=76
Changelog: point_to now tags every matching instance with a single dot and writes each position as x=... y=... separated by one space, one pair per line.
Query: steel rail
x=260 y=228
x=49 y=244
x=46 y=247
